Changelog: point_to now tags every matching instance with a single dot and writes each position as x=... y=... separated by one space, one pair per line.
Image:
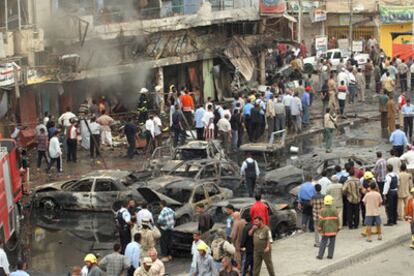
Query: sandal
x=380 y=237
x=368 y=240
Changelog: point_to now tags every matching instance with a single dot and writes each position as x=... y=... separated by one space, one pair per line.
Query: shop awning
x=240 y=56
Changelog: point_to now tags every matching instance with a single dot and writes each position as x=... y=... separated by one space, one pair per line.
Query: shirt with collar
x=133 y=253
x=19 y=273
x=247 y=109
x=387 y=183
x=306 y=191
x=398 y=138
x=407 y=110
x=95 y=128
x=198 y=117
x=54 y=147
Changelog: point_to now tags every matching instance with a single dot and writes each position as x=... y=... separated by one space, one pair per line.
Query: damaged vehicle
x=266 y=153
x=282 y=220
x=166 y=156
x=102 y=190
x=182 y=195
x=281 y=180
x=284 y=179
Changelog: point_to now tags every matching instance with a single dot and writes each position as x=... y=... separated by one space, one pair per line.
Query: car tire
x=281 y=229
x=48 y=203
x=308 y=68
x=183 y=219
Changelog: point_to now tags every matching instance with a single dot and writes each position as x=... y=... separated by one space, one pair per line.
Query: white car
x=334 y=56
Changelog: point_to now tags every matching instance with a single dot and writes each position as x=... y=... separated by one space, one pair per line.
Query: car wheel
x=49 y=204
x=183 y=219
x=308 y=68
x=281 y=230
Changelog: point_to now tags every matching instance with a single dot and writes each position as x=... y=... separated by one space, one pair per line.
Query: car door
x=199 y=196
x=81 y=194
x=213 y=193
x=105 y=193
x=208 y=172
x=229 y=176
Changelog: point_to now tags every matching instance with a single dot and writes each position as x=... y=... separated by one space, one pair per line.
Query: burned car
x=182 y=195
x=281 y=180
x=265 y=153
x=101 y=190
x=225 y=173
x=281 y=220
x=284 y=179
x=164 y=156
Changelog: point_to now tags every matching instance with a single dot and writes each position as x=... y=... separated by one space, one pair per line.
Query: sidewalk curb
x=344 y=262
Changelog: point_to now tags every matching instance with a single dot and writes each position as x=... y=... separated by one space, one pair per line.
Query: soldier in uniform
x=262 y=247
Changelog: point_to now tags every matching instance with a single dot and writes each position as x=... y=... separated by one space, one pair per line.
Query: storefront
x=395 y=21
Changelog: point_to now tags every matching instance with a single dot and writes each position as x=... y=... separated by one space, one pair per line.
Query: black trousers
x=131 y=271
x=131 y=146
x=324 y=243
x=247 y=264
x=403 y=82
x=124 y=238
x=94 y=145
x=363 y=211
x=250 y=185
x=392 y=201
x=353 y=215
x=408 y=126
x=40 y=155
x=200 y=133
x=72 y=146
x=165 y=243
x=57 y=161
x=399 y=150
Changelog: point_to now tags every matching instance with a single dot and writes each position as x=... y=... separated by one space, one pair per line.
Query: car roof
x=115 y=174
x=238 y=202
x=199 y=144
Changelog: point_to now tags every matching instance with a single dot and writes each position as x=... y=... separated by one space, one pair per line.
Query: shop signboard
x=272 y=6
x=307 y=6
x=396 y=14
x=317 y=15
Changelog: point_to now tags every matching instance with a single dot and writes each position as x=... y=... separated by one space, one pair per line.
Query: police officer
x=123 y=218
x=250 y=170
x=391 y=195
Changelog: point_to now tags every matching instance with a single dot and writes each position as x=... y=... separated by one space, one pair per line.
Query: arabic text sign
x=357 y=46
x=272 y=6
x=321 y=44
x=396 y=14
x=6 y=74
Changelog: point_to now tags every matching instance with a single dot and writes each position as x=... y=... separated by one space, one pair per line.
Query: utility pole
x=351 y=13
x=300 y=20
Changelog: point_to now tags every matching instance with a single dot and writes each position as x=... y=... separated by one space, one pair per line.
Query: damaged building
x=79 y=50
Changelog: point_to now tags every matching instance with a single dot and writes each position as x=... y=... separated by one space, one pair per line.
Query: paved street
x=395 y=261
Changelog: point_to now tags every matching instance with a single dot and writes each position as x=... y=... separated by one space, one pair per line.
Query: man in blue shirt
x=247 y=111
x=305 y=194
x=408 y=113
x=133 y=253
x=398 y=139
x=306 y=105
x=199 y=122
x=21 y=269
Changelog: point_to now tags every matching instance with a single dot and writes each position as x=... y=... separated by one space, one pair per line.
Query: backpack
x=217 y=249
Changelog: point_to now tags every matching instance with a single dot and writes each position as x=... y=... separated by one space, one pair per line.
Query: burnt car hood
x=283 y=173
x=54 y=185
x=191 y=227
x=160 y=182
x=153 y=196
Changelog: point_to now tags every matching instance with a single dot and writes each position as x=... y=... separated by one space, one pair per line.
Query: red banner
x=272 y=6
x=403 y=50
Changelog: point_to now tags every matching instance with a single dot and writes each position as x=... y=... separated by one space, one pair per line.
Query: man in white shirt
x=95 y=139
x=55 y=153
x=343 y=76
x=157 y=130
x=64 y=119
x=150 y=133
x=324 y=182
x=296 y=111
x=224 y=128
x=72 y=141
x=394 y=161
x=4 y=262
x=144 y=214
x=40 y=126
x=408 y=156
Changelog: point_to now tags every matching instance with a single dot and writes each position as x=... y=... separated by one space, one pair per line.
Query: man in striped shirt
x=166 y=220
